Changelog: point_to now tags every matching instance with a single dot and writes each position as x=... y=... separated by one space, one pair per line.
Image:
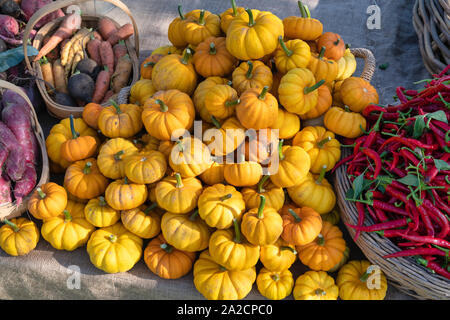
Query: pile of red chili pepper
x=400 y=172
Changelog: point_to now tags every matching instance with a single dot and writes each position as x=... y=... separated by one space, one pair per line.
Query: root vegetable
x=24 y=186
x=122 y=73
x=3 y=155
x=9 y=27
x=65 y=100
x=89 y=67
x=101 y=85
x=5 y=191
x=15 y=164
x=29 y=7
x=68 y=53
x=123 y=33
x=81 y=87
x=120 y=49
x=59 y=77
x=10 y=8
x=108 y=95
x=106 y=27
x=107 y=55
x=47 y=73
x=94 y=51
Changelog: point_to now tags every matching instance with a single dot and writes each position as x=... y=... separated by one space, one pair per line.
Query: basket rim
x=402 y=271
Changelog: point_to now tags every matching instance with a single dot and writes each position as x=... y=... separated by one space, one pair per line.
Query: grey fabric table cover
x=46 y=273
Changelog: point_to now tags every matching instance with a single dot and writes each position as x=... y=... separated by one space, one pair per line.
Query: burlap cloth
x=45 y=273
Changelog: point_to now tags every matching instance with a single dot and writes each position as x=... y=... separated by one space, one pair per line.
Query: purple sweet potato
x=5 y=190
x=9 y=27
x=3 y=155
x=25 y=185
x=17 y=119
x=7 y=137
x=15 y=163
x=10 y=97
x=29 y=7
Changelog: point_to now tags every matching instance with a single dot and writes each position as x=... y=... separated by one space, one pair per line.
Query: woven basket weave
x=431 y=20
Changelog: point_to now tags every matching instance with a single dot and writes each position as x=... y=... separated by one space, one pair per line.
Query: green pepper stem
x=322 y=174
x=41 y=193
x=307 y=90
x=337 y=41
x=116 y=106
x=212 y=48
x=251 y=21
x=87 y=167
x=187 y=54
x=364 y=276
x=166 y=247
x=263 y=93
x=295 y=215
x=125 y=180
x=283 y=46
x=162 y=105
x=321 y=143
x=250 y=69
x=261 y=183
x=67 y=216
x=237 y=231
x=225 y=197
x=201 y=19
x=179 y=180
x=180 y=145
x=72 y=128
x=12 y=225
x=180 y=12
x=304 y=10
x=288 y=248
x=262 y=204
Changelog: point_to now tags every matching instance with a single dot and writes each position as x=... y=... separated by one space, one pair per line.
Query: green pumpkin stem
x=320 y=240
x=232 y=103
x=179 y=180
x=194 y=215
x=237 y=231
x=102 y=201
x=347 y=109
x=288 y=248
x=216 y=122
x=251 y=20
x=72 y=128
x=249 y=74
x=87 y=168
x=41 y=193
x=12 y=225
x=321 y=143
x=295 y=215
x=364 y=276
x=233 y=6
x=222 y=268
x=283 y=46
x=166 y=247
x=280 y=149
x=150 y=208
x=180 y=145
x=149 y=64
x=320 y=292
x=201 y=19
x=275 y=277
x=262 y=204
x=307 y=90
x=112 y=238
x=212 y=48
x=118 y=154
x=261 y=183
x=180 y=12
x=162 y=105
x=321 y=53
x=67 y=216
x=186 y=56
x=304 y=10
x=322 y=174
x=225 y=197
x=263 y=93
x=116 y=106
x=337 y=41
x=125 y=180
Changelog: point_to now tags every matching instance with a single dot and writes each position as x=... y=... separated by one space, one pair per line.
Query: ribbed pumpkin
x=114 y=249
x=300 y=225
x=100 y=214
x=142 y=221
x=292 y=54
x=69 y=230
x=148 y=64
x=178 y=195
x=145 y=167
x=278 y=256
x=211 y=58
x=321 y=146
x=166 y=261
x=214 y=174
x=357 y=93
x=260 y=145
x=221 y=100
x=166 y=112
x=253 y=34
x=120 y=121
x=315 y=192
x=288 y=123
x=344 y=122
x=176 y=30
x=90 y=114
x=215 y=282
x=225 y=138
x=263 y=225
x=324 y=101
x=303 y=27
x=199 y=95
x=231 y=250
x=123 y=195
x=315 y=285
x=325 y=251
x=186 y=232
x=228 y=15
x=346 y=65
x=275 y=285
x=219 y=204
x=323 y=68
x=251 y=74
x=18 y=236
x=257 y=109
x=175 y=72
x=78 y=148
x=274 y=195
x=84 y=180
x=48 y=200
x=141 y=91
x=190 y=157
x=243 y=173
x=334 y=45
x=111 y=156
x=200 y=25
x=298 y=91
x=146 y=143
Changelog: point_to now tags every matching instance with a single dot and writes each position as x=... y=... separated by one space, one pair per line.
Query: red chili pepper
x=414 y=252
x=376 y=159
x=426 y=239
x=400 y=94
x=396 y=171
x=441 y=205
x=435 y=267
x=372 y=213
x=388 y=207
x=430 y=174
x=361 y=216
x=371 y=108
x=408 y=156
x=382 y=226
x=342 y=161
x=445 y=227
x=390 y=233
x=410 y=244
x=426 y=220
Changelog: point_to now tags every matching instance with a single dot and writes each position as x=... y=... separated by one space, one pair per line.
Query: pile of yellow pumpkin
x=126 y=180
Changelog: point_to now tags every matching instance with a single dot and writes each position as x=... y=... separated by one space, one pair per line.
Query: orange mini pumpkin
x=300 y=225
x=334 y=45
x=78 y=148
x=211 y=58
x=251 y=74
x=257 y=109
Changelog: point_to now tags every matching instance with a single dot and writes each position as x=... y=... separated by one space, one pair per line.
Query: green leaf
x=437 y=115
x=358 y=185
x=441 y=164
x=384 y=66
x=419 y=127
x=409 y=180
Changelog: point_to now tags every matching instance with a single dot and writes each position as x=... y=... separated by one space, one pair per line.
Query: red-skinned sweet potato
x=123 y=33
x=5 y=190
x=25 y=185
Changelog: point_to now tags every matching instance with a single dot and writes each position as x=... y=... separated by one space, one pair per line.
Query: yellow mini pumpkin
x=251 y=74
x=228 y=15
x=323 y=68
x=287 y=124
x=221 y=100
x=145 y=167
x=344 y=122
x=201 y=25
x=123 y=195
x=357 y=93
x=303 y=27
x=48 y=200
x=110 y=158
x=142 y=221
x=100 y=214
x=324 y=102
x=18 y=236
x=274 y=195
x=211 y=58
x=243 y=173
x=278 y=256
x=84 y=180
x=122 y=121
x=300 y=225
x=214 y=174
x=225 y=138
x=190 y=157
x=292 y=54
x=275 y=285
x=257 y=109
x=141 y=91
x=315 y=285
x=114 y=249
x=346 y=65
x=199 y=96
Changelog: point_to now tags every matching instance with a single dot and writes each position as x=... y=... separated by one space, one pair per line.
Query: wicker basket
x=55 y=109
x=431 y=19
x=403 y=273
x=13 y=210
